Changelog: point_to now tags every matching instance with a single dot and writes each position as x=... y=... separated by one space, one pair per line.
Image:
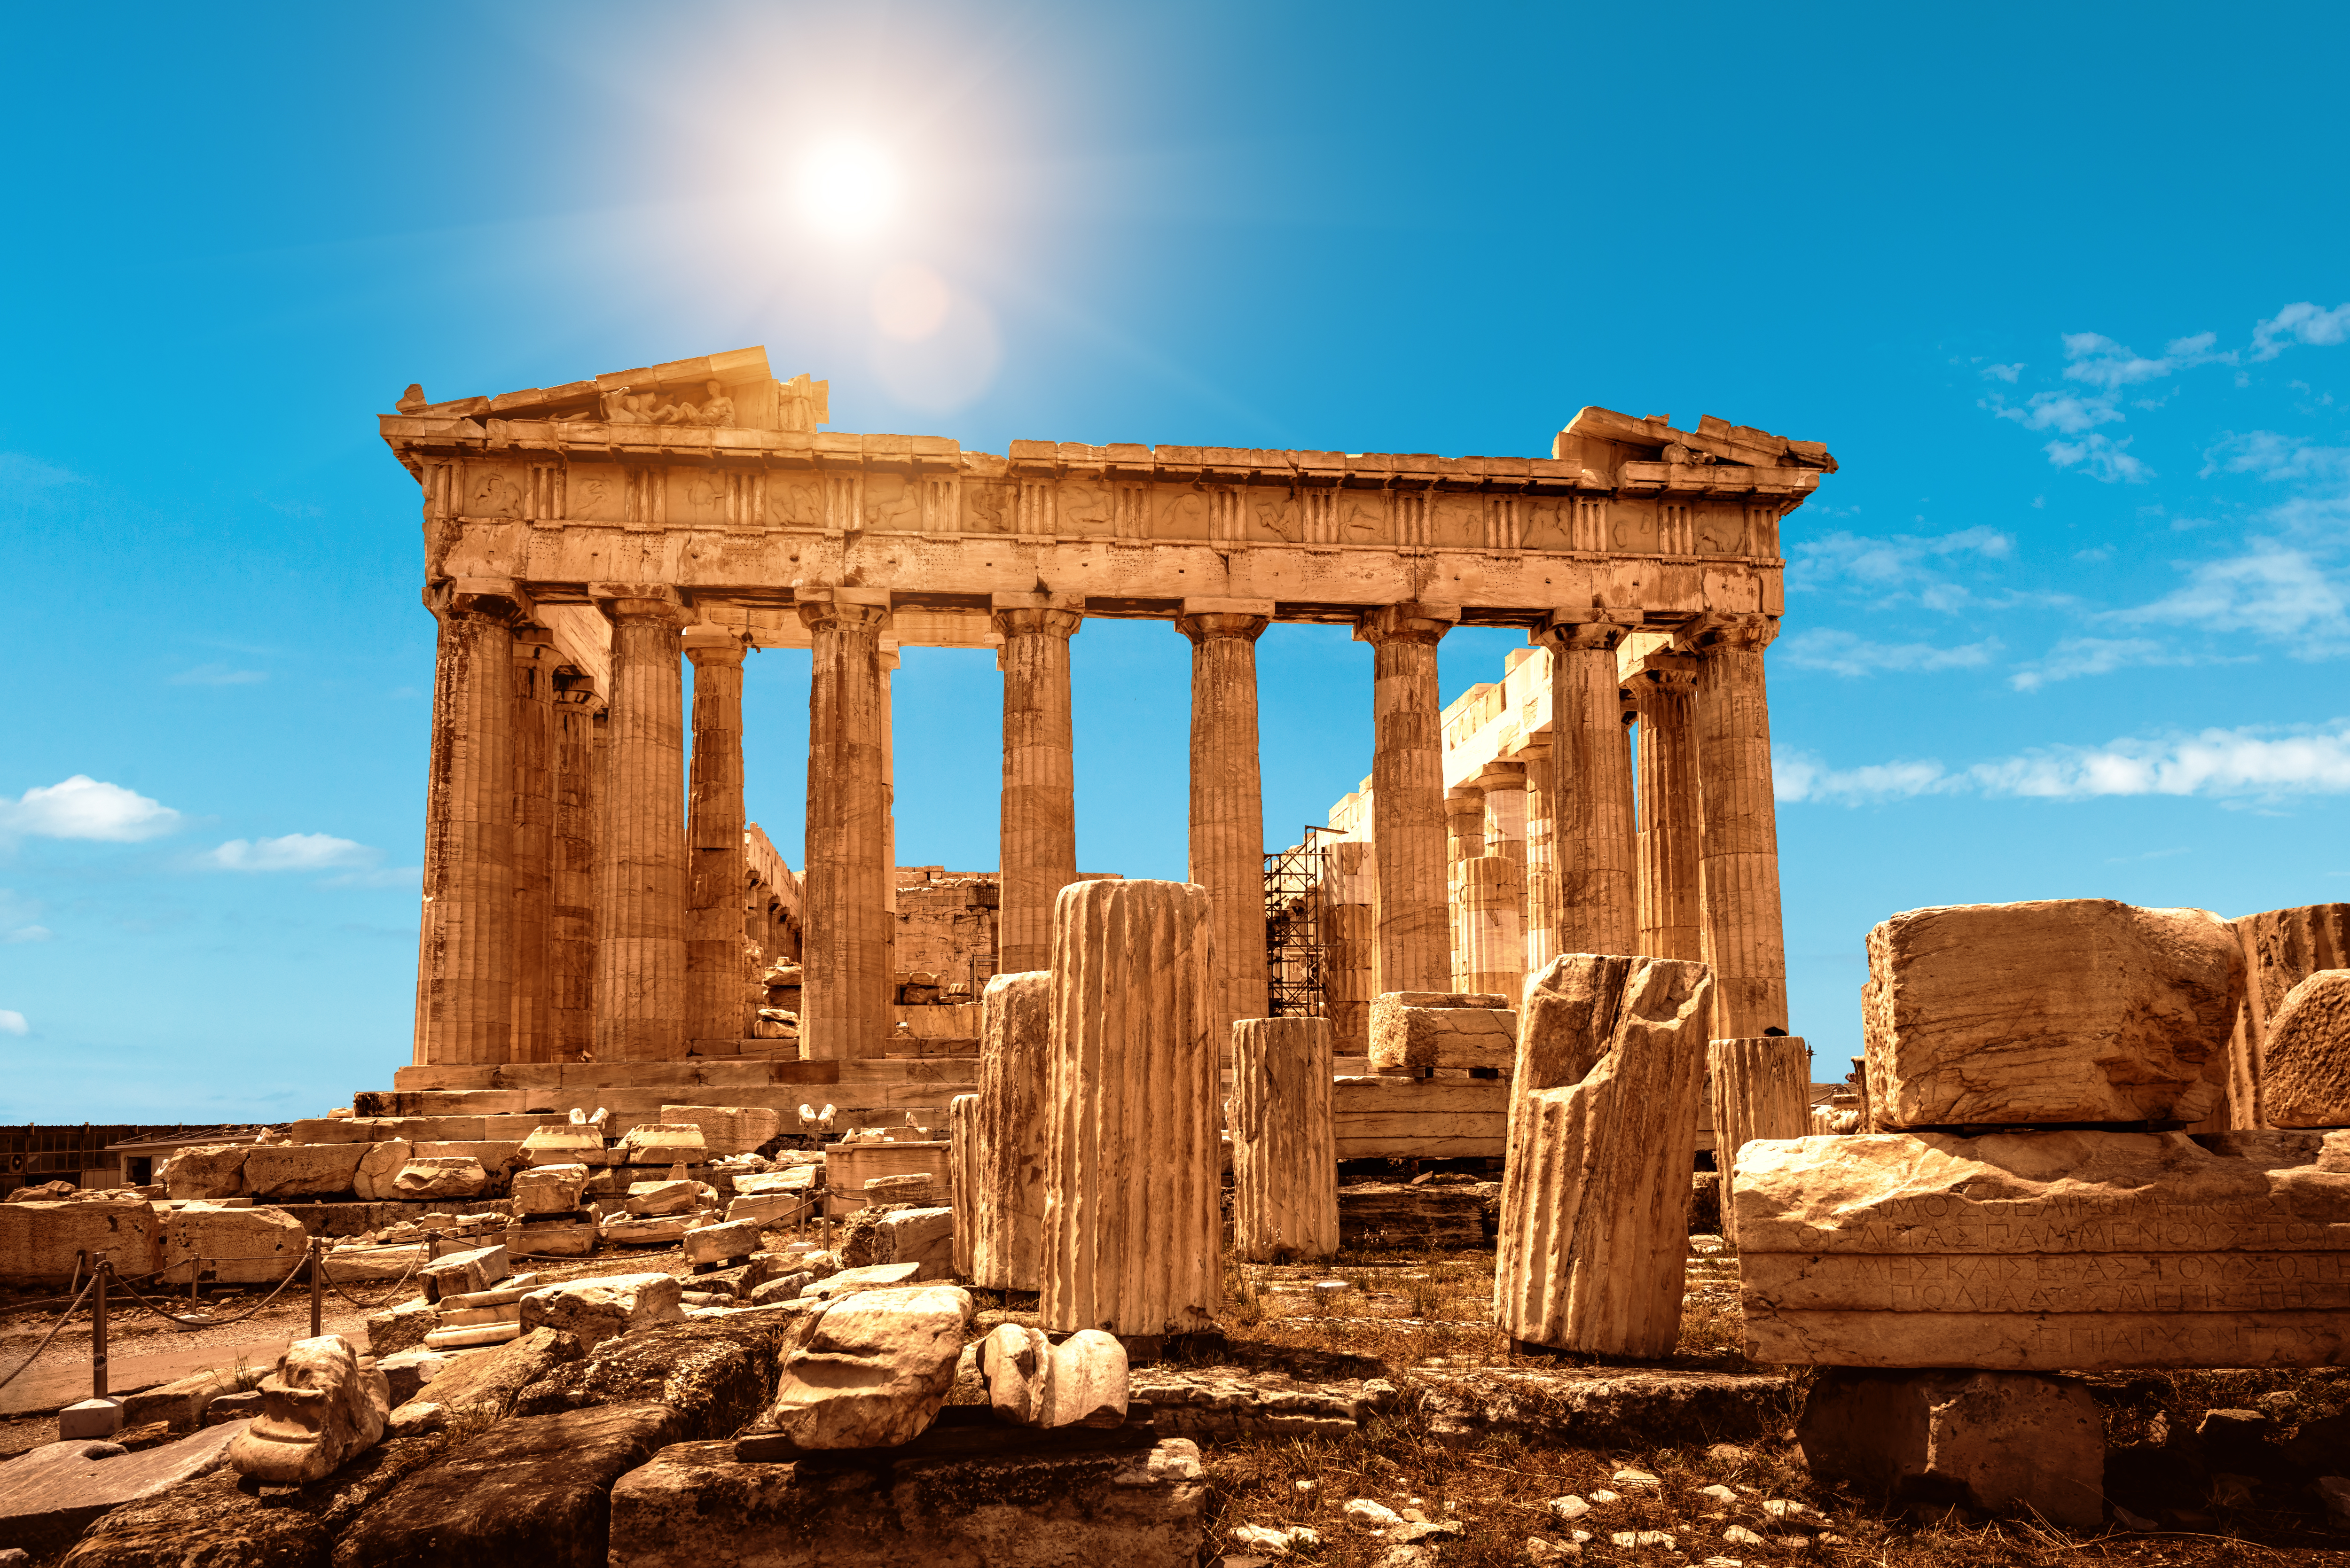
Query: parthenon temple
x=589 y=905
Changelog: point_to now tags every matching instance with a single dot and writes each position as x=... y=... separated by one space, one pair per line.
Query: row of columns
x=580 y=902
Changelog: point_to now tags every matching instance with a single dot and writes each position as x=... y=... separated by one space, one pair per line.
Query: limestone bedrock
x=2307 y=1069
x=871 y=1371
x=324 y=1404
x=1997 y=1442
x=2071 y=1251
x=2069 y=1010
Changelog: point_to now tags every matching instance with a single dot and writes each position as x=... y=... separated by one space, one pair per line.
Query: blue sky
x=2065 y=289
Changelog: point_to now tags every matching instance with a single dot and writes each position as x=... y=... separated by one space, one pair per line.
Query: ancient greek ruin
x=1451 y=1184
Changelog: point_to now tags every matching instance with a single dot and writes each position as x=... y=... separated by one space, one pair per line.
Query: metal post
x=98 y=1329
x=317 y=1288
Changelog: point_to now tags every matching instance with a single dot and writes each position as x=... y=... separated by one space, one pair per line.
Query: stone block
x=1603 y=1130
x=871 y=1277
x=662 y=1143
x=726 y=1130
x=2066 y=1250
x=1284 y=1140
x=182 y=1402
x=376 y=1180
x=2307 y=1056
x=463 y=1273
x=661 y=1200
x=274 y=1172
x=40 y=1242
x=597 y=1310
x=562 y=1143
x=439 y=1178
x=722 y=1244
x=1031 y=1382
x=1417 y=1030
x=323 y=1404
x=769 y=1208
x=574 y=1238
x=871 y=1371
x=529 y=1489
x=93 y=1420
x=549 y=1189
x=49 y=1495
x=1995 y=1441
x=406 y=1373
x=207 y=1171
x=400 y=1328
x=1137 y=1506
x=498 y=1157
x=231 y=1246
x=2071 y=1010
x=623 y=1231
x=486 y=1382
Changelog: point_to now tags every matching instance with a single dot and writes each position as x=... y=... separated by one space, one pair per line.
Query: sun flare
x=848 y=188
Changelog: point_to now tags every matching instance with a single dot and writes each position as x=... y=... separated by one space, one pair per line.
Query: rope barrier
x=191 y=1324
x=54 y=1329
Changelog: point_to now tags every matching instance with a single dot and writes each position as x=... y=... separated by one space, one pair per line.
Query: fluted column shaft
x=714 y=967
x=1669 y=838
x=1227 y=843
x=845 y=915
x=1591 y=777
x=1498 y=891
x=533 y=1001
x=1464 y=840
x=1343 y=920
x=571 y=932
x=464 y=972
x=1739 y=865
x=1408 y=904
x=1284 y=1141
x=641 y=893
x=1541 y=861
x=1039 y=847
x=889 y=664
x=1015 y=1053
x=1132 y=1174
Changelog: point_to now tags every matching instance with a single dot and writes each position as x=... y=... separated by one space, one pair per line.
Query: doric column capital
x=639 y=602
x=500 y=599
x=707 y=644
x=1036 y=622
x=1665 y=673
x=573 y=687
x=1199 y=627
x=1465 y=800
x=1581 y=630
x=1418 y=623
x=1500 y=776
x=533 y=643
x=1723 y=631
x=844 y=610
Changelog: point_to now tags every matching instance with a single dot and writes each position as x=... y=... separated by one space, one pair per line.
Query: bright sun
x=848 y=188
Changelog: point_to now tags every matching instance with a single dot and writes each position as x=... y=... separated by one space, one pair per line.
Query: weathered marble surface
x=2307 y=1055
x=2056 y=1250
x=2071 y=1010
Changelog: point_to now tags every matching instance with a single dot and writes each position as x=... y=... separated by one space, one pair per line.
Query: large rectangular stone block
x=726 y=1130
x=2063 y=1011
x=38 y=1241
x=231 y=1246
x=276 y=1171
x=1416 y=1031
x=2066 y=1250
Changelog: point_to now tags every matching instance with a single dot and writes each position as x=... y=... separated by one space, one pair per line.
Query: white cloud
x=2007 y=373
x=2093 y=357
x=1885 y=562
x=217 y=675
x=27 y=934
x=13 y=1022
x=293 y=852
x=1844 y=653
x=2281 y=594
x=82 y=808
x=2300 y=323
x=2269 y=455
x=2066 y=412
x=2106 y=460
x=2079 y=656
x=2254 y=763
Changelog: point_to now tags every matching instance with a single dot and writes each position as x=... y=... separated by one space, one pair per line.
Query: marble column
x=1591 y=830
x=641 y=889
x=1284 y=1141
x=1754 y=1089
x=1669 y=838
x=888 y=663
x=844 y=916
x=1408 y=904
x=571 y=932
x=1131 y=1172
x=1227 y=846
x=714 y=964
x=464 y=971
x=1014 y=1070
x=1505 y=843
x=1039 y=843
x=1342 y=918
x=1738 y=868
x=1464 y=840
x=1541 y=859
x=533 y=1004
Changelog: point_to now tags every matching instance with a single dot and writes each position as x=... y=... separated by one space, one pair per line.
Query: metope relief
x=795 y=502
x=492 y=492
x=892 y=502
x=596 y=493
x=1182 y=514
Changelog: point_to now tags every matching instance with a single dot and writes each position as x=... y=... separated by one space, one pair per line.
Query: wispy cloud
x=1899 y=563
x=2098 y=361
x=27 y=934
x=2007 y=373
x=218 y=675
x=2300 y=323
x=13 y=1022
x=381 y=876
x=2276 y=592
x=2060 y=410
x=2105 y=458
x=1844 y=653
x=2253 y=762
x=83 y=807
x=293 y=852
x=2080 y=656
x=2266 y=454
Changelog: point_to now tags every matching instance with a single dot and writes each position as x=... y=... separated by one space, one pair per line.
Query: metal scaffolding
x=1294 y=948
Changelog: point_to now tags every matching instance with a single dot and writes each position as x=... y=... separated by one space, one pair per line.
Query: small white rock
x=1602 y=1495
x=1738 y=1535
x=1718 y=1492
x=1569 y=1507
x=1540 y=1551
x=1784 y=1508
x=1376 y=1517
x=1636 y=1480
x=1261 y=1538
